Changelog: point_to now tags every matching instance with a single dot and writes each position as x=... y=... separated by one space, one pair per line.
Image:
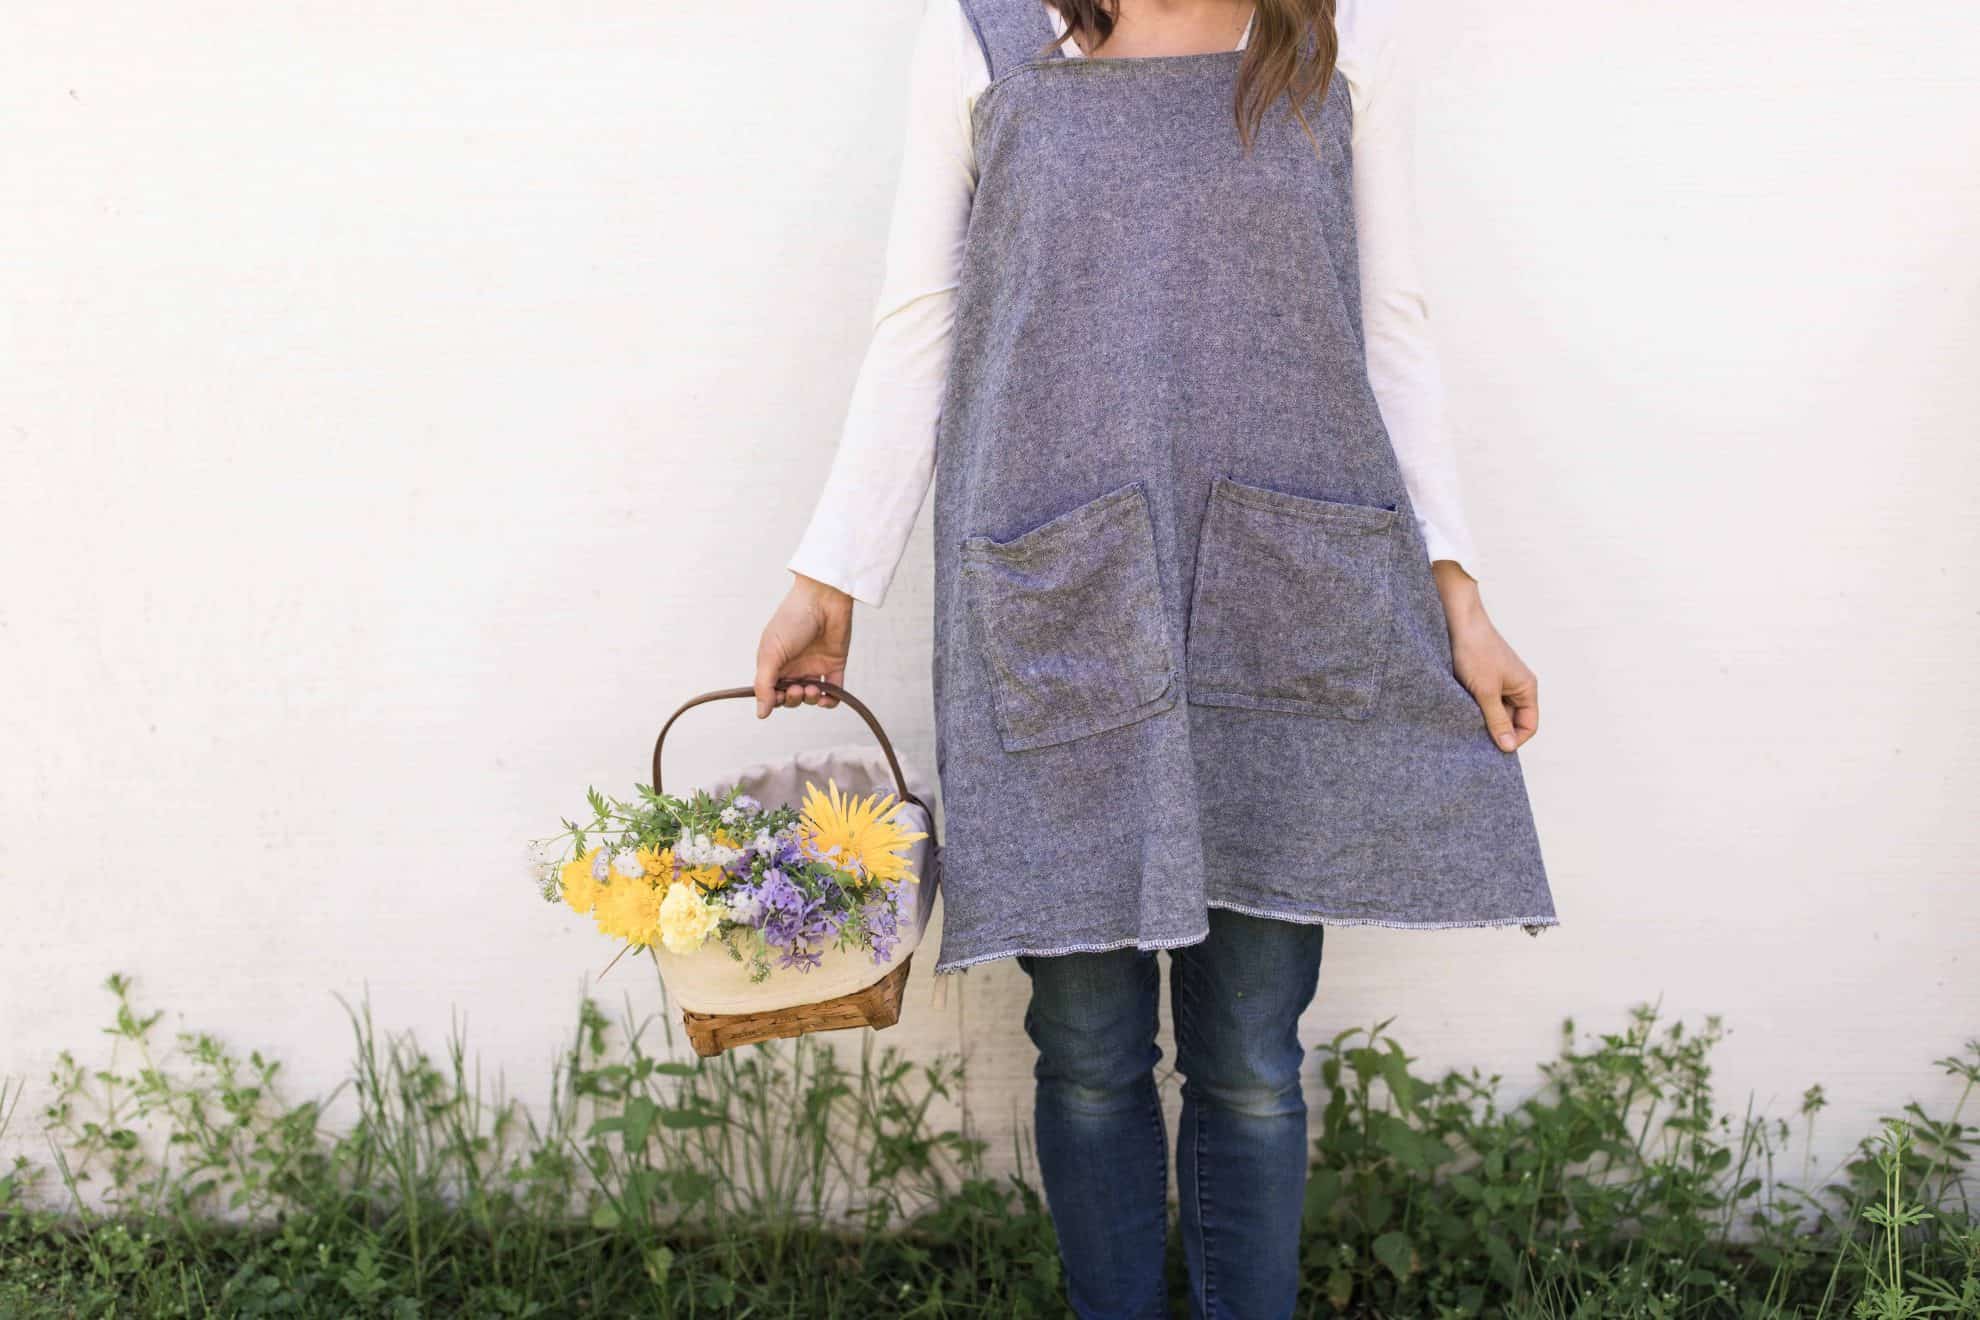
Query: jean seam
x=1205 y=1292
x=1203 y=1224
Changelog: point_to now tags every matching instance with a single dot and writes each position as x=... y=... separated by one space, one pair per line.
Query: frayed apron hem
x=1532 y=926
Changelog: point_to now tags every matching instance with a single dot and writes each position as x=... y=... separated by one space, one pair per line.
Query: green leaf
x=640 y=1113
x=605 y=1216
x=1395 y=1072
x=1396 y=1137
x=1396 y=1251
x=1340 y=1288
x=1323 y=1189
x=643 y=1189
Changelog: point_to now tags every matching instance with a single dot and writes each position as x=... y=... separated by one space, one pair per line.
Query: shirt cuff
x=1437 y=545
x=869 y=588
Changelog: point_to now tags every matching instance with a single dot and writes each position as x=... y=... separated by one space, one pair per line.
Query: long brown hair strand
x=1273 y=62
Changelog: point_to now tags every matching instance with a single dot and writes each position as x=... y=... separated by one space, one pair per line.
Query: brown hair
x=1272 y=57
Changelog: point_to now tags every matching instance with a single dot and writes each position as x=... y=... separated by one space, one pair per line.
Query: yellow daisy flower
x=657 y=861
x=629 y=908
x=580 y=890
x=864 y=828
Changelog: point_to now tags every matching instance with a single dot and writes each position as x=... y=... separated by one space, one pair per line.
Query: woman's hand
x=808 y=637
x=1504 y=688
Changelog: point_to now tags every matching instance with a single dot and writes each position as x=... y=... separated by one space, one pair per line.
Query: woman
x=1209 y=670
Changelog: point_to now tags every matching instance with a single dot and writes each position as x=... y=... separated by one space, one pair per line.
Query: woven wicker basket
x=720 y=1007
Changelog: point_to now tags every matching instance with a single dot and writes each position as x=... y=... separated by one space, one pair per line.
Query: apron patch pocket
x=1292 y=607
x=1070 y=617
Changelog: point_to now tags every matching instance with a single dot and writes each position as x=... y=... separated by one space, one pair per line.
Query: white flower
x=699 y=850
x=745 y=906
x=601 y=865
x=729 y=814
x=627 y=864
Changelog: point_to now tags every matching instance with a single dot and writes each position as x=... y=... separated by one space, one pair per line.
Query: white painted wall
x=405 y=407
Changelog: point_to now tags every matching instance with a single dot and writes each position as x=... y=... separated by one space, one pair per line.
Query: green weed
x=790 y=1179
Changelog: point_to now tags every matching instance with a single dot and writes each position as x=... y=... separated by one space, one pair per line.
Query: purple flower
x=883 y=921
x=802 y=959
x=779 y=893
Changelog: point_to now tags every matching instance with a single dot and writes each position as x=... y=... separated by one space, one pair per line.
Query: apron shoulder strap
x=1011 y=32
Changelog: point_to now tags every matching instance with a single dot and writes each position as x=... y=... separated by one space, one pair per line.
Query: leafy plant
x=799 y=1180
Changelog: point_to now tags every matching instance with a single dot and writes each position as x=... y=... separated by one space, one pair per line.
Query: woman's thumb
x=1498 y=720
x=769 y=659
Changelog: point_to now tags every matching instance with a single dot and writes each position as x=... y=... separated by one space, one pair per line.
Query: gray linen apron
x=1188 y=651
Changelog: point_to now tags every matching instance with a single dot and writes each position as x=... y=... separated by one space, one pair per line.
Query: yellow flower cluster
x=635 y=908
x=676 y=910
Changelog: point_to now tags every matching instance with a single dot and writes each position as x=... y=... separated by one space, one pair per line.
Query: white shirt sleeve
x=866 y=510
x=1403 y=366
x=879 y=477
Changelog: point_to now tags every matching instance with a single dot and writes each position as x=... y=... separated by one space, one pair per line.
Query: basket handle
x=825 y=686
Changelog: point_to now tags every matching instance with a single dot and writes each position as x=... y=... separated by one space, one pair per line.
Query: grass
x=780 y=1180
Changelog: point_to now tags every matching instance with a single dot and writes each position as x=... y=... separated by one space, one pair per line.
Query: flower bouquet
x=783 y=899
x=771 y=885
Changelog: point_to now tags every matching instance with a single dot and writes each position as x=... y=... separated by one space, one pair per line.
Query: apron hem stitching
x=1392 y=922
x=966 y=963
x=946 y=969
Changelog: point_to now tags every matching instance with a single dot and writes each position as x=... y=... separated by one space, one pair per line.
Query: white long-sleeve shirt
x=885 y=461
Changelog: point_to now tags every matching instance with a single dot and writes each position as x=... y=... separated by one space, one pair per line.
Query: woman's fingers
x=793 y=632
x=1507 y=693
x=808 y=693
x=1498 y=719
x=1524 y=698
x=1511 y=702
x=804 y=644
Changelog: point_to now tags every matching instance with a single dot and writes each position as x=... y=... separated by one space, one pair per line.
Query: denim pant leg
x=1102 y=1146
x=1241 y=1150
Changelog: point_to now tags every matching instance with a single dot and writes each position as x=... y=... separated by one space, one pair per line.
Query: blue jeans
x=1241 y=1151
